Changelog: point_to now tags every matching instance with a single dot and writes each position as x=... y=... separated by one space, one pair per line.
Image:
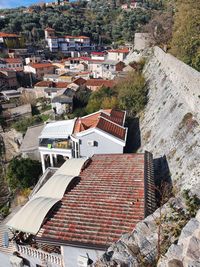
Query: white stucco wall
x=71 y=255
x=103 y=145
x=115 y=56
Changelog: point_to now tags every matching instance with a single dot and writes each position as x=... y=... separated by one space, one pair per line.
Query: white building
x=67 y=43
x=117 y=54
x=55 y=139
x=15 y=64
x=102 y=132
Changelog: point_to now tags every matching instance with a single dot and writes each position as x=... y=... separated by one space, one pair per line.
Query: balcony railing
x=41 y=255
x=61 y=145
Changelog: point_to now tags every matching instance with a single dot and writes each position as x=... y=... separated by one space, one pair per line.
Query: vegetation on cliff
x=186 y=32
x=23 y=173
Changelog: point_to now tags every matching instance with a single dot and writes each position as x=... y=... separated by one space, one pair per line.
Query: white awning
x=30 y=218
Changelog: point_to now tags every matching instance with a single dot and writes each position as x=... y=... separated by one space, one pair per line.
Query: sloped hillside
x=171 y=123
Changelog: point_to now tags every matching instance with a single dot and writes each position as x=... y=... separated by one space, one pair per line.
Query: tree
x=132 y=93
x=160 y=27
x=186 y=34
x=103 y=98
x=23 y=173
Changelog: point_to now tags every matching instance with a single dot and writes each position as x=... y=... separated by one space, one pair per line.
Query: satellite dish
x=5 y=241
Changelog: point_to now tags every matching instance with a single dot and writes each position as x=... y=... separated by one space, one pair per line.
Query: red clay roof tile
x=107 y=202
x=110 y=121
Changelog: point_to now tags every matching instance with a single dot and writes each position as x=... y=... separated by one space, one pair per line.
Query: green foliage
x=23 y=124
x=81 y=98
x=23 y=173
x=4 y=211
x=132 y=93
x=109 y=22
x=186 y=35
x=171 y=224
x=103 y=98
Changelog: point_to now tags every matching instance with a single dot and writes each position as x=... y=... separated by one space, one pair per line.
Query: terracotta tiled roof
x=100 y=83
x=52 y=84
x=4 y=35
x=12 y=60
x=76 y=37
x=109 y=121
x=98 y=53
x=111 y=128
x=41 y=65
x=122 y=50
x=79 y=81
x=107 y=202
x=117 y=116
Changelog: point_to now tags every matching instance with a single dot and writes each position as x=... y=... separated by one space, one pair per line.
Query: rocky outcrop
x=187 y=251
x=142 y=246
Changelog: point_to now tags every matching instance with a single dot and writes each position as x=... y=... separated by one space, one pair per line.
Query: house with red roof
x=38 y=70
x=117 y=54
x=15 y=64
x=102 y=132
x=9 y=40
x=98 y=55
x=96 y=84
x=83 y=208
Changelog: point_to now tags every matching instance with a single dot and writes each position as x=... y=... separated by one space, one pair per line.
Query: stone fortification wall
x=170 y=124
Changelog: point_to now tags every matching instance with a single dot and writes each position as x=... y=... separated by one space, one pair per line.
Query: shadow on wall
x=133 y=141
x=163 y=181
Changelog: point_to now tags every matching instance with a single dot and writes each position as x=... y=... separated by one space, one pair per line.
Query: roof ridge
x=124 y=128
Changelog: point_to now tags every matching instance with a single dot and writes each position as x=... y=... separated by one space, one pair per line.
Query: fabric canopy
x=30 y=218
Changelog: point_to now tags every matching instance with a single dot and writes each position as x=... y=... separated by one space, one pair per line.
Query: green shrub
x=23 y=173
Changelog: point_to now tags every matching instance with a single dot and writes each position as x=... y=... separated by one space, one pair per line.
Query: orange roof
x=41 y=65
x=110 y=121
x=79 y=81
x=4 y=34
x=52 y=84
x=76 y=37
x=123 y=50
x=100 y=83
x=13 y=60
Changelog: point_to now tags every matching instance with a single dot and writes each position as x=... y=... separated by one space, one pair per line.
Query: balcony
x=55 y=144
x=40 y=255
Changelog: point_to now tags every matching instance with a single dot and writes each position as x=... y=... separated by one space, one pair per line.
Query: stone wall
x=170 y=124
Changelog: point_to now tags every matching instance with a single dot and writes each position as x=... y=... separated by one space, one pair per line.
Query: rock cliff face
x=170 y=126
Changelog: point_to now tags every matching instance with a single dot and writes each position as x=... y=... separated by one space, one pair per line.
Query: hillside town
x=99 y=155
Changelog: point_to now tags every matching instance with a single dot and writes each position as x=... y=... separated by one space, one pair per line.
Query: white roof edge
x=105 y=134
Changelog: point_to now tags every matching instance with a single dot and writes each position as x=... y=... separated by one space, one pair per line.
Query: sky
x=16 y=3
